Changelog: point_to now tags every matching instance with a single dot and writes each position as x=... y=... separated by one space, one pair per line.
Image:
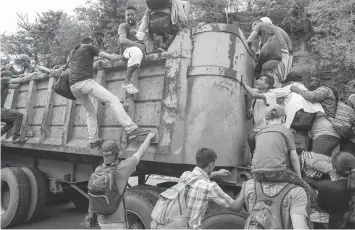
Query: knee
x=112 y=100
x=136 y=53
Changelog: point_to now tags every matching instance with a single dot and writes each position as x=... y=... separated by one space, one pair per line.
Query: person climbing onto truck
x=11 y=117
x=163 y=18
x=325 y=137
x=266 y=31
x=259 y=105
x=121 y=170
x=133 y=48
x=275 y=146
x=201 y=191
x=337 y=197
x=82 y=85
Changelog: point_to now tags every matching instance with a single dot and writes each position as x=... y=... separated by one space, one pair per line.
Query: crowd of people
x=293 y=142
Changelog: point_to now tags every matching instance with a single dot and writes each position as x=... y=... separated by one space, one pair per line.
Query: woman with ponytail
x=338 y=197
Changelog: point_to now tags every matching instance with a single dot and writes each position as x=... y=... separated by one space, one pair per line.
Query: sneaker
x=138 y=132
x=20 y=141
x=96 y=144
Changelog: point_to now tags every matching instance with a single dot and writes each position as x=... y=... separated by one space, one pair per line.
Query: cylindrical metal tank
x=216 y=110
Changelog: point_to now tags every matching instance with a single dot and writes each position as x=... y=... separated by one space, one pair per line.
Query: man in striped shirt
x=202 y=190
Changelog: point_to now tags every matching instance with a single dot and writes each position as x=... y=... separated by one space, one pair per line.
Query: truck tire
x=154 y=190
x=224 y=219
x=139 y=206
x=15 y=196
x=39 y=191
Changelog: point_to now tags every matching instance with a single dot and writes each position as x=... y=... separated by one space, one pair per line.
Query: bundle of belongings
x=316 y=166
x=163 y=18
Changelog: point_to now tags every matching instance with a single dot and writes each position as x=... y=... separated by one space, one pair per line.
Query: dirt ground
x=65 y=216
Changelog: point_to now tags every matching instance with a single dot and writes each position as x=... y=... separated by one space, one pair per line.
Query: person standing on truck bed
x=265 y=29
x=325 y=137
x=83 y=85
x=338 y=197
x=11 y=117
x=133 y=48
x=124 y=170
x=200 y=192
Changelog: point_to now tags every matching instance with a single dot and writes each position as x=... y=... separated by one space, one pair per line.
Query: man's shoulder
x=272 y=189
x=124 y=26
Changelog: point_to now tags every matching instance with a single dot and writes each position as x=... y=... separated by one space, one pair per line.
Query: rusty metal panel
x=115 y=75
x=149 y=70
x=115 y=87
x=58 y=116
x=151 y=88
x=55 y=131
x=111 y=133
x=22 y=99
x=37 y=116
x=80 y=132
x=40 y=97
x=148 y=113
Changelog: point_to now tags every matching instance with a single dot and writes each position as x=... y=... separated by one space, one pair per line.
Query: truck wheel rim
x=134 y=220
x=5 y=197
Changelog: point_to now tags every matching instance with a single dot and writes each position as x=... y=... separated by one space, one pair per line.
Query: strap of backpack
x=73 y=52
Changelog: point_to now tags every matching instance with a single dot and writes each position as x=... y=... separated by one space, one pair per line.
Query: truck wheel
x=154 y=190
x=80 y=202
x=139 y=206
x=15 y=196
x=224 y=219
x=39 y=191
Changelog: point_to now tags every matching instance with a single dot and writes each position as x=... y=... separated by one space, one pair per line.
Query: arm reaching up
x=143 y=148
x=111 y=57
x=295 y=162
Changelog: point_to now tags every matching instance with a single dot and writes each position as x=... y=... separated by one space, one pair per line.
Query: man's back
x=4 y=89
x=273 y=143
x=295 y=202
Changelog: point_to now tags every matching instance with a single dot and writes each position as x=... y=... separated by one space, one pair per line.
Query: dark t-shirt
x=131 y=32
x=81 y=64
x=266 y=30
x=124 y=170
x=273 y=144
x=5 y=81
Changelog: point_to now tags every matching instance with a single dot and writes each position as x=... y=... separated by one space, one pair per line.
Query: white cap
x=266 y=20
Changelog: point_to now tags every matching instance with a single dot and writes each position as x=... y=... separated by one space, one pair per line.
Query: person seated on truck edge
x=258 y=107
x=165 y=21
x=83 y=85
x=337 y=197
x=325 y=137
x=265 y=29
x=125 y=168
x=200 y=192
x=133 y=48
x=275 y=146
x=11 y=117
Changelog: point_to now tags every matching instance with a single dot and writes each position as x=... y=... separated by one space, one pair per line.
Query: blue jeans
x=12 y=119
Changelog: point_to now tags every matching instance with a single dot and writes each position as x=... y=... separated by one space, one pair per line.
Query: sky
x=8 y=9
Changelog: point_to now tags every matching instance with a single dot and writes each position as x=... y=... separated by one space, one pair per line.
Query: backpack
x=61 y=86
x=270 y=53
x=344 y=120
x=303 y=121
x=104 y=196
x=170 y=209
x=266 y=213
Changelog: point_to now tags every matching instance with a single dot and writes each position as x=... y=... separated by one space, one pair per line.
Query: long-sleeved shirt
x=325 y=96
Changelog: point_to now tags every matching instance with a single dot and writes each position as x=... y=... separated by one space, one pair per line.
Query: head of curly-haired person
x=205 y=159
x=131 y=15
x=344 y=164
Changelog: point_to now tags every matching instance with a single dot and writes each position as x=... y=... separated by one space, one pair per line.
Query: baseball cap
x=274 y=111
x=109 y=148
x=254 y=19
x=266 y=20
x=23 y=57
